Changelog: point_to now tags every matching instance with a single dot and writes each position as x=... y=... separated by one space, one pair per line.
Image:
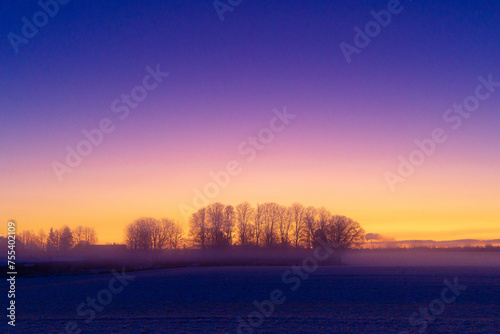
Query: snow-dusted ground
x=209 y=300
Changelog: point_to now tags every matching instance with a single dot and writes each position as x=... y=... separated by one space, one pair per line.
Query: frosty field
x=210 y=300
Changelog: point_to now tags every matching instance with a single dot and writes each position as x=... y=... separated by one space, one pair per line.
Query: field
x=211 y=299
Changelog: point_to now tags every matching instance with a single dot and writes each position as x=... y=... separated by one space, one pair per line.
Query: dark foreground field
x=211 y=300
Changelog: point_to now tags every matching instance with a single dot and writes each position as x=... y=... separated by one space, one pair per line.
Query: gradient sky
x=226 y=77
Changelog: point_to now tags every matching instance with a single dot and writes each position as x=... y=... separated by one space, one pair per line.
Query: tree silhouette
x=310 y=225
x=215 y=214
x=258 y=224
x=198 y=228
x=285 y=217
x=65 y=239
x=53 y=241
x=244 y=216
x=345 y=232
x=84 y=236
x=149 y=233
x=270 y=220
x=298 y=223
x=228 y=224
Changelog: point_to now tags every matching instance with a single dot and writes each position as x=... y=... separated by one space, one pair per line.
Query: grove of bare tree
x=153 y=234
x=271 y=225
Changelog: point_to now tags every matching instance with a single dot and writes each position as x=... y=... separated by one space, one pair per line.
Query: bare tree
x=30 y=241
x=324 y=217
x=42 y=239
x=270 y=221
x=170 y=234
x=298 y=223
x=285 y=218
x=175 y=236
x=132 y=236
x=90 y=236
x=345 y=232
x=143 y=234
x=165 y=227
x=310 y=225
x=156 y=233
x=258 y=223
x=217 y=234
x=244 y=214
x=228 y=224
x=78 y=235
x=198 y=228
x=84 y=236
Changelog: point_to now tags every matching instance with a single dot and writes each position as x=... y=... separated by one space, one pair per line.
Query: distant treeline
x=216 y=226
x=268 y=225
x=57 y=240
